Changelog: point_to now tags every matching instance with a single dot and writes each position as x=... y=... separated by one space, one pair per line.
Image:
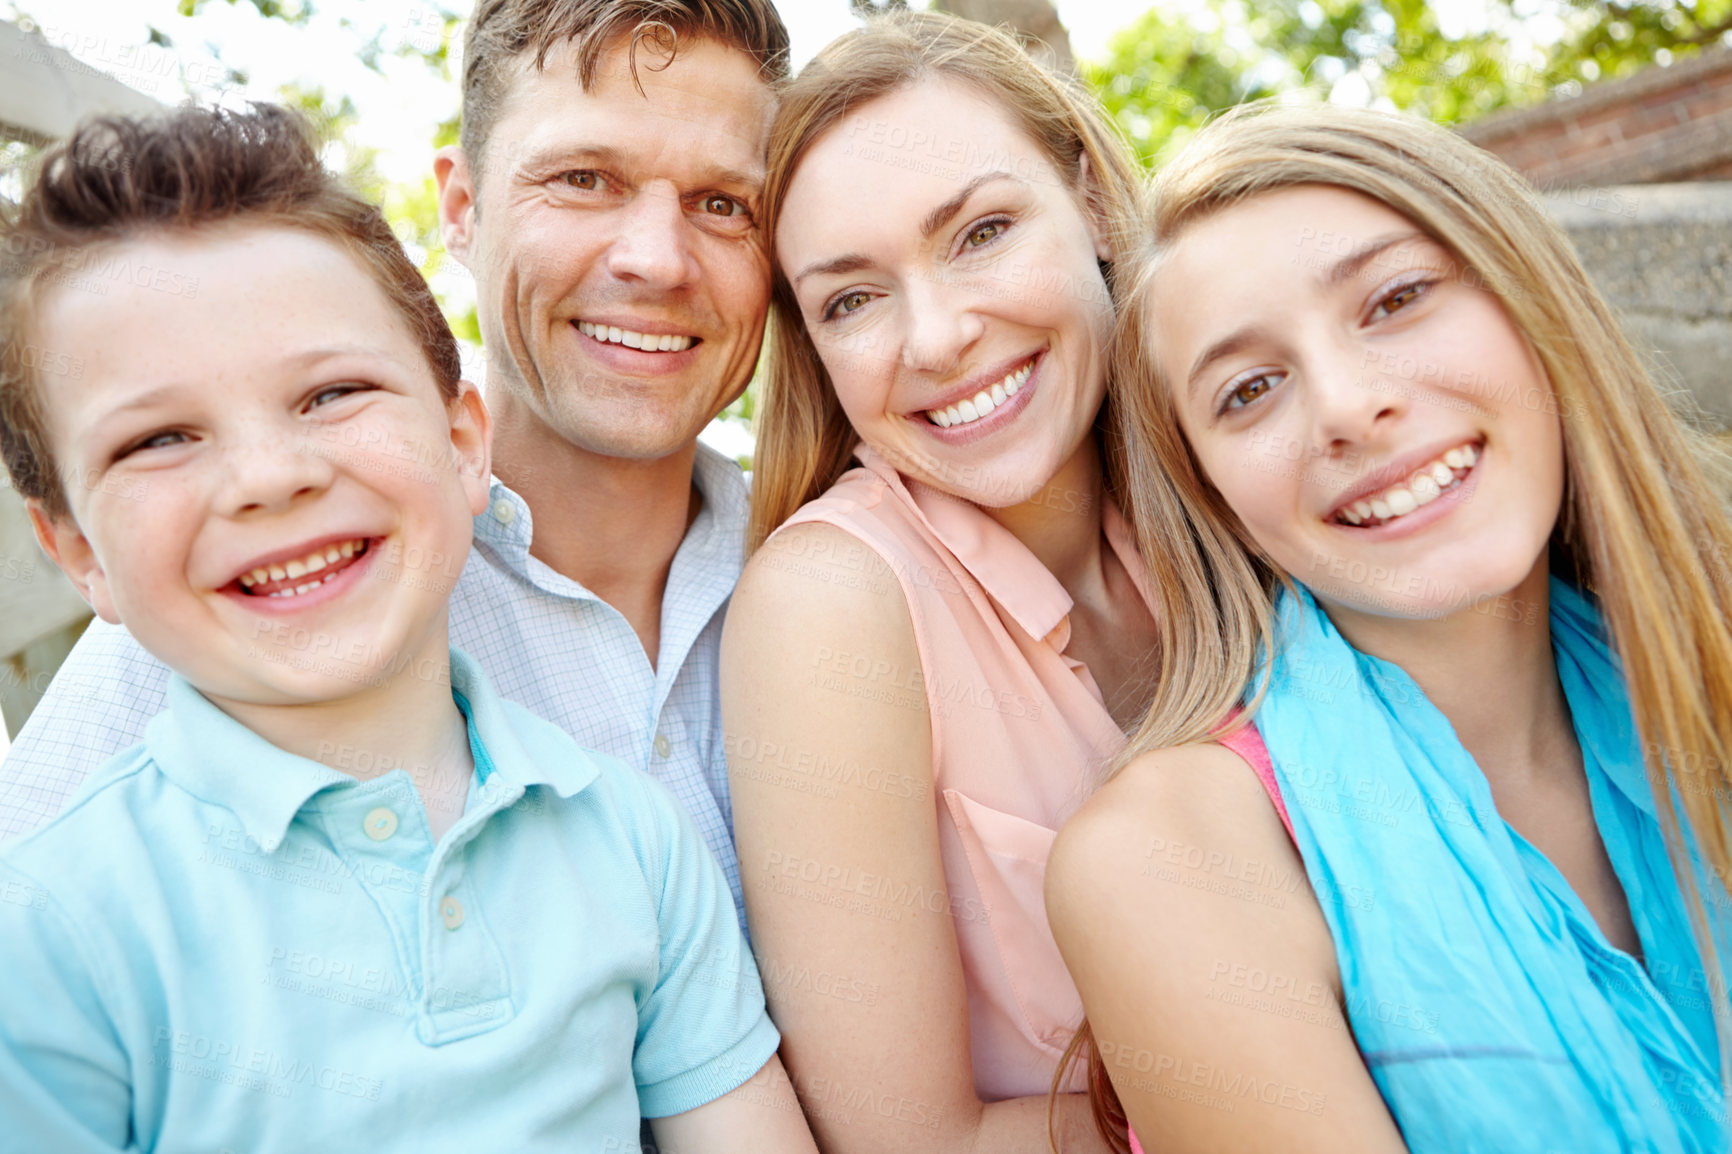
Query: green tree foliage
x=1168 y=72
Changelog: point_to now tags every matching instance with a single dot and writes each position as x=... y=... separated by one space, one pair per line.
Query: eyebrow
x=935 y=220
x=606 y=156
x=940 y=216
x=1337 y=274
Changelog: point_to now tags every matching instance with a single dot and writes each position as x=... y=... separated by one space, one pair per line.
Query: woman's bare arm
x=829 y=754
x=1207 y=968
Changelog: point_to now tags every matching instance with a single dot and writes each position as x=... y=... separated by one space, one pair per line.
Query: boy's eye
x=335 y=392
x=154 y=441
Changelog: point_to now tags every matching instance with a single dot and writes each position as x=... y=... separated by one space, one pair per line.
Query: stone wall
x=1662 y=255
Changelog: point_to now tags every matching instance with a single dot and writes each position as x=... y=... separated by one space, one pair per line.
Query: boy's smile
x=297 y=493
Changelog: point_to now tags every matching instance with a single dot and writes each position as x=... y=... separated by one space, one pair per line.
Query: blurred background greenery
x=380 y=76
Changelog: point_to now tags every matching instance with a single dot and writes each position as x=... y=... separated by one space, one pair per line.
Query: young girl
x=1405 y=488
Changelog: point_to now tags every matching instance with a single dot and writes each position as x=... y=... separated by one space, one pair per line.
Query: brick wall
x=1661 y=125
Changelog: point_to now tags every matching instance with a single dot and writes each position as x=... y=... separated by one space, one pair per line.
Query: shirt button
x=451 y=910
x=663 y=745
x=503 y=512
x=380 y=824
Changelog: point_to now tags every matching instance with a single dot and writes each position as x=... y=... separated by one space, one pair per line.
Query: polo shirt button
x=503 y=512
x=451 y=910
x=663 y=745
x=380 y=823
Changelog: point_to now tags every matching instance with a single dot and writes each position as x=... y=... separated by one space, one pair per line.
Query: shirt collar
x=1006 y=568
x=507 y=528
x=218 y=760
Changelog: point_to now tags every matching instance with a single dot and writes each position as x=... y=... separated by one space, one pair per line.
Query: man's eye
x=718 y=205
x=584 y=179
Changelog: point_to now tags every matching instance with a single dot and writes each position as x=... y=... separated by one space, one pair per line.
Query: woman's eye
x=719 y=205
x=847 y=303
x=1245 y=392
x=983 y=234
x=1401 y=298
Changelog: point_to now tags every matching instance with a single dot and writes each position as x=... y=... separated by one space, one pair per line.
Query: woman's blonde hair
x=804 y=441
x=1642 y=525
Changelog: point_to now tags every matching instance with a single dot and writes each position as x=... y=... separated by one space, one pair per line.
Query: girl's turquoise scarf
x=1490 y=1009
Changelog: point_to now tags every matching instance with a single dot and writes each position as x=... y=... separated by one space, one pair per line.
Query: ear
x=472 y=445
x=457 y=200
x=1094 y=208
x=68 y=547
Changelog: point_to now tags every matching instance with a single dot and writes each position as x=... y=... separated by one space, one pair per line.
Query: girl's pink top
x=1020 y=735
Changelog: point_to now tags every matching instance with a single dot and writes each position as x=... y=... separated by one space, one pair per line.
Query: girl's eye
x=1400 y=298
x=983 y=233
x=847 y=303
x=1250 y=390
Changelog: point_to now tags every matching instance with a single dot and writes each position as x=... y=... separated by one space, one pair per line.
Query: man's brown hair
x=118 y=178
x=501 y=31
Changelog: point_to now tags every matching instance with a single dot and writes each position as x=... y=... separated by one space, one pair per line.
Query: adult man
x=610 y=161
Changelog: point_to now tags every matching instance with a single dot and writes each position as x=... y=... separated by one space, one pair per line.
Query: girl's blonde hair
x=804 y=441
x=1642 y=525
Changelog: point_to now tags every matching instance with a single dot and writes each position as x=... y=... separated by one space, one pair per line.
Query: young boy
x=264 y=928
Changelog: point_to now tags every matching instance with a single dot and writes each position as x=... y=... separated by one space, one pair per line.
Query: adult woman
x=1431 y=481
x=926 y=667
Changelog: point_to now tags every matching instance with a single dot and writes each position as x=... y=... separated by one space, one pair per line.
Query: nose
x=1352 y=397
x=651 y=246
x=940 y=325
x=267 y=469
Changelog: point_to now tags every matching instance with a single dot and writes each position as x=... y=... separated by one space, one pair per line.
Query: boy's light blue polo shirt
x=221 y=945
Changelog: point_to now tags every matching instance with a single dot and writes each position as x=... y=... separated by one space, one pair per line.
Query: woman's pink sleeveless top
x=1020 y=735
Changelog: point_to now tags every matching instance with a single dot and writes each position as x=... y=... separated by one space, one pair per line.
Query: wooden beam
x=45 y=91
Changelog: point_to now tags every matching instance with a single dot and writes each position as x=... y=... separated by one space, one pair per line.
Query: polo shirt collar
x=507 y=528
x=220 y=761
x=1006 y=568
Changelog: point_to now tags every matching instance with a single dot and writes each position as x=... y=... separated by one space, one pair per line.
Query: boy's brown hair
x=118 y=178
x=501 y=31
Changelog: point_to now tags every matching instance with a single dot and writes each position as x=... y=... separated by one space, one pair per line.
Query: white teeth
x=1423 y=487
x=648 y=342
x=300 y=567
x=982 y=402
